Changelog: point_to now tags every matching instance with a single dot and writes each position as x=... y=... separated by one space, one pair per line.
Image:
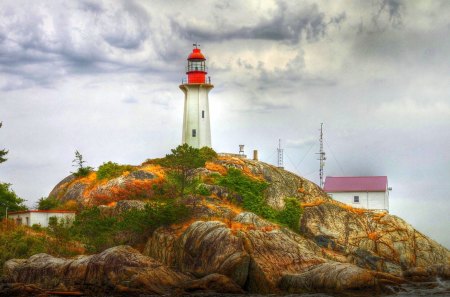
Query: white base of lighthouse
x=196 y=126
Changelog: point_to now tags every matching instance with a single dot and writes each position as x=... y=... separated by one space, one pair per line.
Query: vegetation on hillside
x=79 y=164
x=183 y=160
x=8 y=198
x=111 y=170
x=249 y=193
x=3 y=152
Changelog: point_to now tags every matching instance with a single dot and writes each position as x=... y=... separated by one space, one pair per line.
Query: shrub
x=249 y=193
x=208 y=154
x=99 y=231
x=291 y=214
x=111 y=170
x=9 y=199
x=48 y=203
x=202 y=190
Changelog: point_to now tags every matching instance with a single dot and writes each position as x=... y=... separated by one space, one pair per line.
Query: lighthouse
x=196 y=128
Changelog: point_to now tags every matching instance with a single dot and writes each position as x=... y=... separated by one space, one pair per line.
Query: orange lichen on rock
x=354 y=209
x=316 y=202
x=232 y=160
x=216 y=168
x=155 y=169
x=378 y=215
x=373 y=236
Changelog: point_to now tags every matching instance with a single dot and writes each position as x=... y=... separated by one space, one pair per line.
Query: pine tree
x=79 y=163
x=3 y=152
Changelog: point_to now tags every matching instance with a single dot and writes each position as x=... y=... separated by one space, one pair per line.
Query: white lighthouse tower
x=196 y=128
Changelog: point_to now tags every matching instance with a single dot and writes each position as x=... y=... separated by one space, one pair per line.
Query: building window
x=355 y=199
x=203 y=114
x=194 y=133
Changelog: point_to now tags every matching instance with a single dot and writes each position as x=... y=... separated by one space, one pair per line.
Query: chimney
x=255 y=155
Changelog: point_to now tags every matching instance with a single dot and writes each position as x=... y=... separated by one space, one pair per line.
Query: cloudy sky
x=102 y=77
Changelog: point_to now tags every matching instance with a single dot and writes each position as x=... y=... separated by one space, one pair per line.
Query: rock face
x=256 y=255
x=337 y=247
x=118 y=269
x=203 y=248
x=376 y=241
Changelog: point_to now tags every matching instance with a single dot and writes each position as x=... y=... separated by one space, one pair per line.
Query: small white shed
x=39 y=217
x=369 y=192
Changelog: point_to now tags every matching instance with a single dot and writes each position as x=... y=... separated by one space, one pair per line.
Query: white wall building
x=369 y=192
x=196 y=122
x=39 y=217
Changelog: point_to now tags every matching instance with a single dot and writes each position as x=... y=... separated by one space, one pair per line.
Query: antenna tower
x=322 y=157
x=280 y=155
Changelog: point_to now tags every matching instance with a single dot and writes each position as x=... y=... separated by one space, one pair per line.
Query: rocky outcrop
x=118 y=269
x=376 y=241
x=202 y=249
x=336 y=248
x=255 y=254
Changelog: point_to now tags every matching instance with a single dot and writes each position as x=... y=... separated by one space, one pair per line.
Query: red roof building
x=369 y=192
x=40 y=217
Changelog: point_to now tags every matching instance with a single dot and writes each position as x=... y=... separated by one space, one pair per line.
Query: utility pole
x=322 y=157
x=280 y=155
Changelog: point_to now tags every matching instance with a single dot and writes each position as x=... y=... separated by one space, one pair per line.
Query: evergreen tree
x=183 y=160
x=3 y=152
x=79 y=163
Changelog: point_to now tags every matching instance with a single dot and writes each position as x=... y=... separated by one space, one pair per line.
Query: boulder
x=118 y=269
x=330 y=277
x=203 y=248
x=214 y=282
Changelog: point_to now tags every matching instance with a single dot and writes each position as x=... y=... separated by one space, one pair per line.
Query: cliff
x=223 y=247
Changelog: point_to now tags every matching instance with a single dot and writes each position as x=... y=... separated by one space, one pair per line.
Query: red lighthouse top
x=196 y=55
x=196 y=69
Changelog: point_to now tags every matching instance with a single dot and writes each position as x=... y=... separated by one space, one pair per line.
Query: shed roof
x=355 y=184
x=41 y=211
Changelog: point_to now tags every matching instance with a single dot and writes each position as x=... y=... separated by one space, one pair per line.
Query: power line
x=301 y=161
x=334 y=157
x=290 y=160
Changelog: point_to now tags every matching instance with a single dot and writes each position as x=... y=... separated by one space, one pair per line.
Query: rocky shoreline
x=225 y=250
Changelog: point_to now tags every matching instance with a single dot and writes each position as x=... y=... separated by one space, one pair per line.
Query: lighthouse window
x=194 y=133
x=203 y=114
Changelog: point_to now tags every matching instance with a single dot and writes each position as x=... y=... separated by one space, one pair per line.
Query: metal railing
x=184 y=80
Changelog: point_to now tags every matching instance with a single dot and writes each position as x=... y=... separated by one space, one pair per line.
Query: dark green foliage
x=94 y=229
x=79 y=163
x=140 y=224
x=48 y=203
x=291 y=214
x=183 y=160
x=98 y=231
x=250 y=194
x=3 y=152
x=9 y=199
x=19 y=244
x=207 y=153
x=111 y=170
x=202 y=190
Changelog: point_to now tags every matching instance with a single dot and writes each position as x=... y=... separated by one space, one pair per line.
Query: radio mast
x=280 y=155
x=322 y=157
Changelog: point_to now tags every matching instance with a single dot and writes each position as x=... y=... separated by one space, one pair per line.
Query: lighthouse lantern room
x=196 y=126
